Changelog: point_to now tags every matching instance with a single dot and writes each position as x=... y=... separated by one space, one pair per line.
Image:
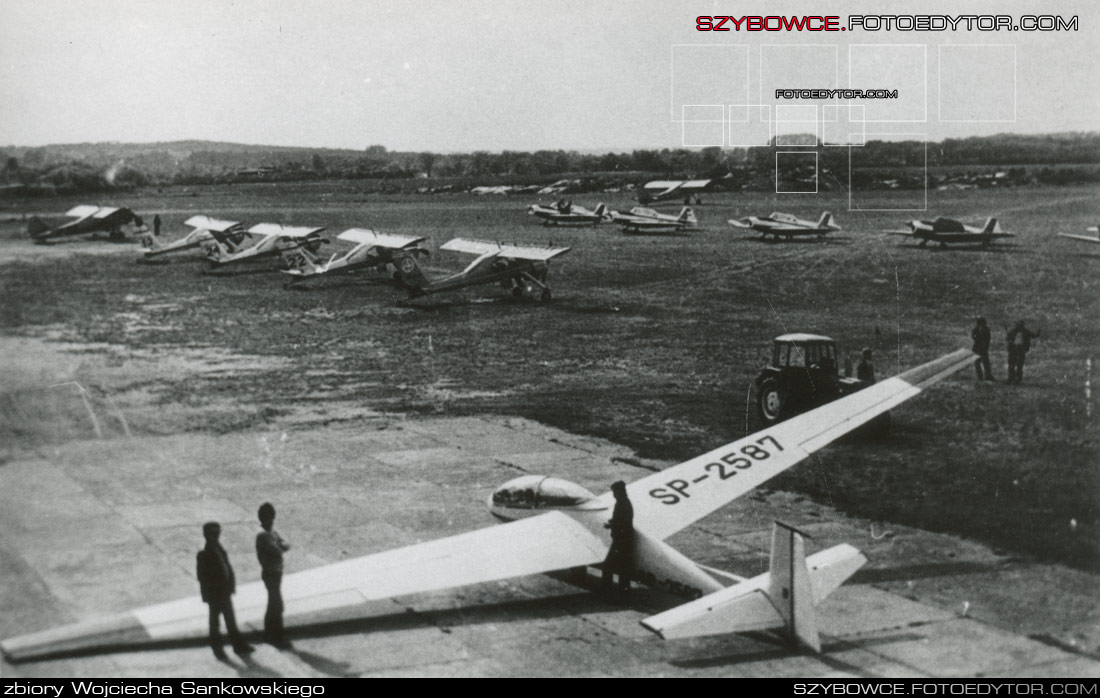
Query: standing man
x=270 y=547
x=865 y=371
x=156 y=225
x=1019 y=344
x=217 y=585
x=620 y=557
x=981 y=336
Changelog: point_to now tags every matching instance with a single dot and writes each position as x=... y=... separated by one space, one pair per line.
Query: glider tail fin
x=785 y=596
x=789 y=586
x=826 y=221
x=687 y=215
x=601 y=211
x=991 y=226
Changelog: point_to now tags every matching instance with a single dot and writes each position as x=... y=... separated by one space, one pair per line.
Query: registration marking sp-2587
x=723 y=468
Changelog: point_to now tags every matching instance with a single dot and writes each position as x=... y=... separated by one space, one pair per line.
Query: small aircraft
x=519 y=268
x=382 y=251
x=1094 y=238
x=272 y=239
x=553 y=525
x=784 y=225
x=646 y=220
x=948 y=231
x=86 y=220
x=206 y=232
x=566 y=213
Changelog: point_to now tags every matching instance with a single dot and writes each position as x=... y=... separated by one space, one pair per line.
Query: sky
x=463 y=75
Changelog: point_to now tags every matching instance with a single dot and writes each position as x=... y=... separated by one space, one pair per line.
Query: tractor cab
x=803 y=374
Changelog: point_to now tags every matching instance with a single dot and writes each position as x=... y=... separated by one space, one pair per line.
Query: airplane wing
x=362 y=236
x=82 y=212
x=539 y=254
x=544 y=543
x=484 y=247
x=108 y=211
x=214 y=225
x=1086 y=238
x=284 y=231
x=478 y=247
x=671 y=500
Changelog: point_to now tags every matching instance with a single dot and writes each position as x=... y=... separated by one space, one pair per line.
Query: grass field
x=651 y=341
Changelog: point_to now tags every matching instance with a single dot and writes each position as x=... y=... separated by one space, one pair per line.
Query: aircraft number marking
x=727 y=466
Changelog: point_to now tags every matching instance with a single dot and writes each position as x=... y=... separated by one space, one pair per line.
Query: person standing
x=156 y=225
x=1019 y=344
x=865 y=371
x=981 y=336
x=217 y=584
x=270 y=547
x=620 y=557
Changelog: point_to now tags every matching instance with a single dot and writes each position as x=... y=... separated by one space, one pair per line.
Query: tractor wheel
x=771 y=401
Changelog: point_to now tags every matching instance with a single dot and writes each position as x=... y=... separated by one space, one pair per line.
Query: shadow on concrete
x=781 y=650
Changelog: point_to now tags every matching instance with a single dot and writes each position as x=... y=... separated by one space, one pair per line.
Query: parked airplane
x=86 y=220
x=646 y=220
x=273 y=239
x=554 y=525
x=382 y=251
x=520 y=268
x=948 y=231
x=784 y=225
x=206 y=232
x=1094 y=238
x=566 y=213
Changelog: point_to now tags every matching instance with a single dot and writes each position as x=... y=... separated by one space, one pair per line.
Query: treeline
x=106 y=166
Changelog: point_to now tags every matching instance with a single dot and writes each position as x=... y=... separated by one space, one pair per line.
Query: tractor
x=802 y=375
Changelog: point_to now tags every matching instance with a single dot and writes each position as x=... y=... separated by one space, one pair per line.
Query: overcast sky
x=457 y=74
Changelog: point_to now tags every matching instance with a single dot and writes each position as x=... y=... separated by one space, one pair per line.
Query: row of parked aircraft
x=231 y=247
x=776 y=226
x=521 y=269
x=638 y=220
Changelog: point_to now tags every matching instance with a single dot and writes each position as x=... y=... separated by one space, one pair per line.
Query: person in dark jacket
x=865 y=371
x=270 y=547
x=981 y=336
x=217 y=585
x=156 y=225
x=1019 y=344
x=620 y=556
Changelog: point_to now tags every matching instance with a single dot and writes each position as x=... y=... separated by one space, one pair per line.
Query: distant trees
x=96 y=166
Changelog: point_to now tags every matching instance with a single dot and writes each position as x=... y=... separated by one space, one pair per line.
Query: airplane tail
x=786 y=596
x=789 y=587
x=601 y=211
x=409 y=275
x=37 y=228
x=687 y=215
x=827 y=221
x=299 y=258
x=991 y=226
x=149 y=241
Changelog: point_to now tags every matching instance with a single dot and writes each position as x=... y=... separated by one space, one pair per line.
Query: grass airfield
x=647 y=350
